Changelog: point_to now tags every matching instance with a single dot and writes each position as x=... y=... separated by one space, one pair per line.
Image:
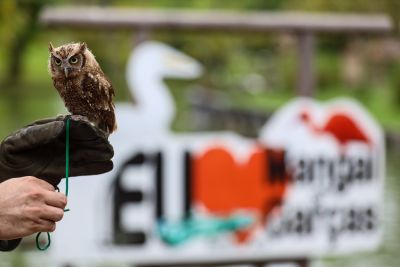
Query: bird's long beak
x=66 y=71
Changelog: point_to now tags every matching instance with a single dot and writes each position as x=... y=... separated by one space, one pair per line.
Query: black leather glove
x=39 y=150
x=9 y=245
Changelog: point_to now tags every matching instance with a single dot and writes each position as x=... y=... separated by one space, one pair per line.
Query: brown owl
x=82 y=85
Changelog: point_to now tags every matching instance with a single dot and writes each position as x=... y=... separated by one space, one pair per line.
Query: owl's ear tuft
x=82 y=46
x=51 y=48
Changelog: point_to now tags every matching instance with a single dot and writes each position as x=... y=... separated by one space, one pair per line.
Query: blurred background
x=248 y=75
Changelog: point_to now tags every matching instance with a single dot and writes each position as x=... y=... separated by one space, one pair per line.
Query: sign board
x=311 y=184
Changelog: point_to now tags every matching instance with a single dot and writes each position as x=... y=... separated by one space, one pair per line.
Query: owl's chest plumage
x=89 y=95
x=75 y=94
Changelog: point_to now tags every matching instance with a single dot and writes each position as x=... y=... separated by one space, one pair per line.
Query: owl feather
x=82 y=85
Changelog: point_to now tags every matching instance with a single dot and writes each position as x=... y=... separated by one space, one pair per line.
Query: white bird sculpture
x=148 y=65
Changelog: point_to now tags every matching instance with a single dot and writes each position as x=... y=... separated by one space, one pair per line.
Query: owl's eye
x=73 y=60
x=58 y=61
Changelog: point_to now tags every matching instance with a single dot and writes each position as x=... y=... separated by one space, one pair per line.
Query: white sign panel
x=334 y=153
x=310 y=185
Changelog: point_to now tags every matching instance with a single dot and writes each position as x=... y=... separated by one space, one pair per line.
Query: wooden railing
x=304 y=25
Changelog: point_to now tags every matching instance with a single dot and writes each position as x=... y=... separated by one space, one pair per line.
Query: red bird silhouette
x=340 y=125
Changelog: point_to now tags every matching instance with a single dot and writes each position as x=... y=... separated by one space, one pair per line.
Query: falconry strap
x=47 y=245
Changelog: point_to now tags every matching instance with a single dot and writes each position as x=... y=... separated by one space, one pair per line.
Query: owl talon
x=61 y=116
x=80 y=118
x=83 y=118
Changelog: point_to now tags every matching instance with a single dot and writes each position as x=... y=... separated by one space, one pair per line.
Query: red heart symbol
x=224 y=186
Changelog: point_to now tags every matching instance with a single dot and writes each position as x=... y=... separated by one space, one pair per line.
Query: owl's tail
x=108 y=122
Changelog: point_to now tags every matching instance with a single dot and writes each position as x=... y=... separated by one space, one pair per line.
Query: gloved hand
x=39 y=150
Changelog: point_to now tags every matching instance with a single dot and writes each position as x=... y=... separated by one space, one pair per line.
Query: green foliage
x=229 y=58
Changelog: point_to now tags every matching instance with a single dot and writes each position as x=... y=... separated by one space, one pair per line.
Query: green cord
x=67 y=156
x=66 y=185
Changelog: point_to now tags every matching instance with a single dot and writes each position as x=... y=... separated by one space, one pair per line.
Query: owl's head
x=68 y=60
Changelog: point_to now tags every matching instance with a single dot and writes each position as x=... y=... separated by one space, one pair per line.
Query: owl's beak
x=66 y=71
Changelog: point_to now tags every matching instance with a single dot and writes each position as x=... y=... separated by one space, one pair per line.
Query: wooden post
x=306 y=77
x=142 y=34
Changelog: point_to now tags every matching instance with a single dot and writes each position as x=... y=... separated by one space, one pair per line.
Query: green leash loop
x=66 y=185
x=38 y=243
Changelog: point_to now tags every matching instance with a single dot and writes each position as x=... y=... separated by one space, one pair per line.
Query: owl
x=82 y=85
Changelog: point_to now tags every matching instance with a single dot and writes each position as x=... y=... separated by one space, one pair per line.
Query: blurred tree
x=205 y=4
x=20 y=20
